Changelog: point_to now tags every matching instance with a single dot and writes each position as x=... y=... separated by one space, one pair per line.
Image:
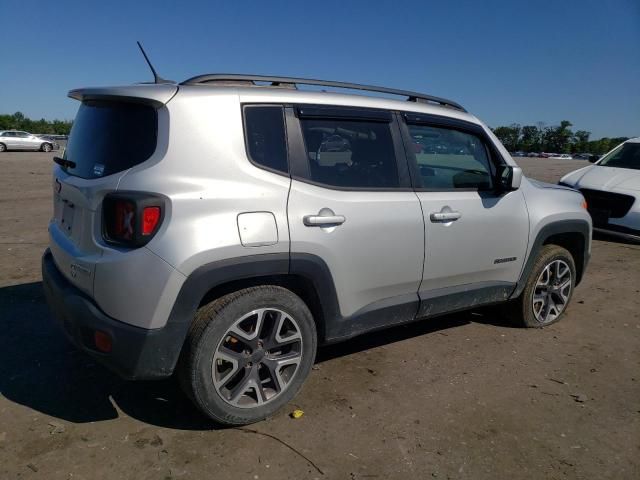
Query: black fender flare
x=207 y=277
x=554 y=228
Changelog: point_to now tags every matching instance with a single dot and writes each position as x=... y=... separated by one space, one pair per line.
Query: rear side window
x=266 y=143
x=109 y=137
x=450 y=159
x=350 y=153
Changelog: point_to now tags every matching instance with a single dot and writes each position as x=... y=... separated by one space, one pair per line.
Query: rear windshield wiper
x=64 y=163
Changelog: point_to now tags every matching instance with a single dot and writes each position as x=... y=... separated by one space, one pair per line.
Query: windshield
x=109 y=137
x=626 y=155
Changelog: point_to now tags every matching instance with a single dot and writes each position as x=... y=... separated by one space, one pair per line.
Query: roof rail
x=292 y=82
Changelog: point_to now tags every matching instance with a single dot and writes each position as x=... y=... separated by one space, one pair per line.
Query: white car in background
x=611 y=187
x=563 y=156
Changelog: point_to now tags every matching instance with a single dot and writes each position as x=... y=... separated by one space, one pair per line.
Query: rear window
x=109 y=137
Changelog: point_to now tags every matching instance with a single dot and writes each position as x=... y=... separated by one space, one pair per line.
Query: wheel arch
x=305 y=275
x=573 y=235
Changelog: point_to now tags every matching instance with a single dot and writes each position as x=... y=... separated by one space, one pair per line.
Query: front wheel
x=3 y=147
x=548 y=290
x=247 y=354
x=46 y=147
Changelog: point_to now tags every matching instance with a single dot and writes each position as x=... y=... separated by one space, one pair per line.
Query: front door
x=475 y=237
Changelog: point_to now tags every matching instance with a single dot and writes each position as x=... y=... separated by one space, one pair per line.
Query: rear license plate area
x=66 y=219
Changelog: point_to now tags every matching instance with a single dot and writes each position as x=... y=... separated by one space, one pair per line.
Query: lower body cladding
x=132 y=352
x=143 y=354
x=139 y=353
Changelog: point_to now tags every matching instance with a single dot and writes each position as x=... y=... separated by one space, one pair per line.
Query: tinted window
x=625 y=156
x=449 y=159
x=265 y=136
x=349 y=153
x=109 y=137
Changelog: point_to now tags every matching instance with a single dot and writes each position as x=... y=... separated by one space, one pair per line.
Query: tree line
x=555 y=139
x=515 y=137
x=18 y=121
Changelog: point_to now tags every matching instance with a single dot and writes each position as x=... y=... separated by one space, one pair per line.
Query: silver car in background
x=17 y=140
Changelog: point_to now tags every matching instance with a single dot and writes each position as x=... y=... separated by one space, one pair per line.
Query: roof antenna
x=156 y=78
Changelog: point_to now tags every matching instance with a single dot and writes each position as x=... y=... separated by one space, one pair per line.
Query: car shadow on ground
x=41 y=370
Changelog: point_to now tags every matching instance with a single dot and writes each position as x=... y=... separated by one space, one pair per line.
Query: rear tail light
x=131 y=218
x=150 y=219
x=102 y=341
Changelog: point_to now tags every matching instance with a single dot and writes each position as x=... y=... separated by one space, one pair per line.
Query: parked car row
x=563 y=156
x=17 y=140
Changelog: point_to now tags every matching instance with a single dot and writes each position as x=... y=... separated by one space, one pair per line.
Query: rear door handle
x=323 y=221
x=444 y=217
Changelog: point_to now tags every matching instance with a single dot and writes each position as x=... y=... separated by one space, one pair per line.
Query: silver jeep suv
x=224 y=227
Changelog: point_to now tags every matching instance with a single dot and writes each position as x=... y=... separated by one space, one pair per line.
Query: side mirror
x=594 y=158
x=509 y=178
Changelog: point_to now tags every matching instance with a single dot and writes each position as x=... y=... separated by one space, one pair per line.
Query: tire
x=3 y=147
x=550 y=304
x=46 y=147
x=248 y=342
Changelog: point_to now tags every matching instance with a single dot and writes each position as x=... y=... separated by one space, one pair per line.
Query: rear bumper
x=136 y=353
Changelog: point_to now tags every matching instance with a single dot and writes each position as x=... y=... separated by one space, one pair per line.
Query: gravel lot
x=462 y=396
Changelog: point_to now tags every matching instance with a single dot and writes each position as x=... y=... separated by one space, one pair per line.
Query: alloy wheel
x=257 y=358
x=552 y=291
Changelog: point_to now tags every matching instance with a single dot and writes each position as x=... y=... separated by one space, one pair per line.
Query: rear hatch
x=111 y=134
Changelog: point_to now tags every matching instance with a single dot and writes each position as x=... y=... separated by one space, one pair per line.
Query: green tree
x=580 y=141
x=530 y=139
x=509 y=136
x=18 y=121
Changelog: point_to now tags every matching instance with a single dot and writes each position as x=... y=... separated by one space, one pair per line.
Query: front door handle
x=444 y=217
x=323 y=220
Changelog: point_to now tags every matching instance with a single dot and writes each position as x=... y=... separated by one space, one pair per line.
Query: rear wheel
x=548 y=290
x=247 y=354
x=46 y=147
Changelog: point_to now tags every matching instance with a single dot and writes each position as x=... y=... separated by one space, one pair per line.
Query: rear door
x=475 y=237
x=351 y=205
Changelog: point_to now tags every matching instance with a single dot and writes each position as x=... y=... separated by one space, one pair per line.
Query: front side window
x=450 y=159
x=626 y=155
x=350 y=153
x=265 y=134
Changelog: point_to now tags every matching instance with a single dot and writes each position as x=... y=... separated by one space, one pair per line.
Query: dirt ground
x=460 y=397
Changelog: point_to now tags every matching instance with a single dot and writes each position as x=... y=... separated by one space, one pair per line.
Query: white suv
x=612 y=190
